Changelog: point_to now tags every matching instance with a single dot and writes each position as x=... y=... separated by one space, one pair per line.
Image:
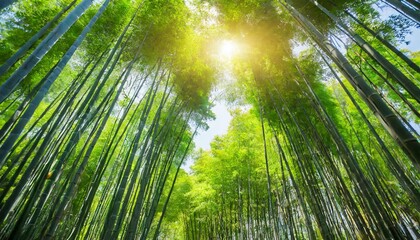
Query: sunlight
x=228 y=49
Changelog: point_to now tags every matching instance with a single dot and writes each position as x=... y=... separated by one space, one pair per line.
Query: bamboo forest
x=311 y=109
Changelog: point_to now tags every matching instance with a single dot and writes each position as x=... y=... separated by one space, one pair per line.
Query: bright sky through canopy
x=228 y=49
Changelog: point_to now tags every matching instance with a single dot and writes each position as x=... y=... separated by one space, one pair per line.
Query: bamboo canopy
x=102 y=103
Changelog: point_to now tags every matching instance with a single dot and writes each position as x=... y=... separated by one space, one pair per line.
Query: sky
x=413 y=39
x=218 y=126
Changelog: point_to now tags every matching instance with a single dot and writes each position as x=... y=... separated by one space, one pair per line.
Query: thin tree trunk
x=22 y=50
x=13 y=81
x=409 y=12
x=407 y=60
x=5 y=148
x=396 y=74
x=390 y=121
x=70 y=190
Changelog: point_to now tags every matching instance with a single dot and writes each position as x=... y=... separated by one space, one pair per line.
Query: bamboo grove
x=100 y=102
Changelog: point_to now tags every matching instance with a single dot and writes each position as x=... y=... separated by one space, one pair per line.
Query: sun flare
x=228 y=49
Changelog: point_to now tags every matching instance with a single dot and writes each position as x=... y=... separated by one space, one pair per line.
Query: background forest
x=100 y=102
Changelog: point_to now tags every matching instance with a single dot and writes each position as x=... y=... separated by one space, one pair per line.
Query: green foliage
x=23 y=22
x=108 y=27
x=163 y=27
x=316 y=15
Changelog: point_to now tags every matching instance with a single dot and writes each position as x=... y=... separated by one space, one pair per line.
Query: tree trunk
x=13 y=81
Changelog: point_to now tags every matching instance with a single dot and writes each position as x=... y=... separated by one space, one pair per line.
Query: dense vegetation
x=100 y=102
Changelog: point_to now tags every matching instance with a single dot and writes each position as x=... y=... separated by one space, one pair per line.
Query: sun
x=228 y=49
